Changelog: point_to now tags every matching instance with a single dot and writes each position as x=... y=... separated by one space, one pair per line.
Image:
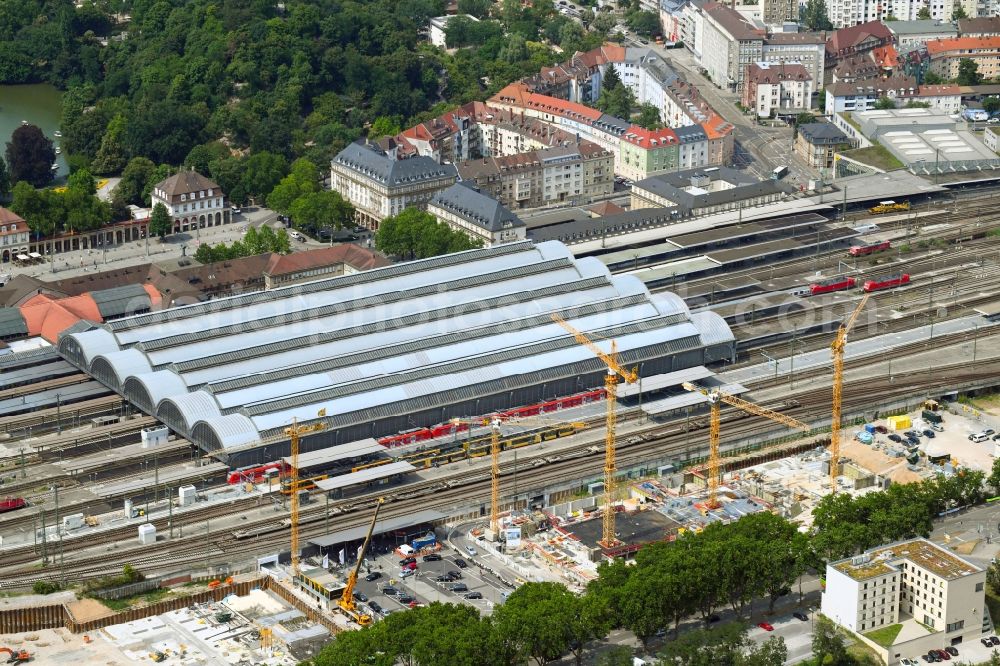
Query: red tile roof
x=358 y=257
x=8 y=216
x=935 y=91
x=851 y=36
x=644 y=138
x=777 y=73
x=937 y=46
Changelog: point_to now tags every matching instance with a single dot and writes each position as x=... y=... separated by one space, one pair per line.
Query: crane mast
x=294 y=433
x=715 y=399
x=615 y=371
x=837 y=350
x=346 y=601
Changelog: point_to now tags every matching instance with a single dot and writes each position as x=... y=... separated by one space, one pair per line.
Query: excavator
x=16 y=656
x=346 y=601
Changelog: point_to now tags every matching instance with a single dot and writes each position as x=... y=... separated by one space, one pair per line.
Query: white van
x=978 y=437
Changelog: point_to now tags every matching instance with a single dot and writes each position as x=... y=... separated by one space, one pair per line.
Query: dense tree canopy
x=255 y=241
x=72 y=209
x=297 y=79
x=414 y=234
x=968 y=72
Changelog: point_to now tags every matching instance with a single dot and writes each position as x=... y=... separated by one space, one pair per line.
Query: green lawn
x=876 y=156
x=886 y=635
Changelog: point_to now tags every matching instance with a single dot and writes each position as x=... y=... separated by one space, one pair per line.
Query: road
x=759 y=149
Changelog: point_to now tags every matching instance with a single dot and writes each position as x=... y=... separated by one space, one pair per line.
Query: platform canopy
x=381 y=527
x=365 y=475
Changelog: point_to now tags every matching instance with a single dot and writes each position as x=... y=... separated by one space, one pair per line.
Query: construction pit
x=258 y=628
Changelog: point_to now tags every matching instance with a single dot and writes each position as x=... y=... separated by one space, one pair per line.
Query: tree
x=883 y=103
x=534 y=620
x=649 y=117
x=994 y=477
x=321 y=210
x=384 y=126
x=82 y=181
x=828 y=645
x=415 y=234
x=31 y=205
x=957 y=14
x=137 y=172
x=111 y=156
x=4 y=179
x=889 y=18
x=478 y=8
x=968 y=73
x=990 y=105
x=814 y=15
x=303 y=179
x=644 y=23
x=924 y=13
x=204 y=154
x=604 y=23
x=160 y=223
x=933 y=79
x=804 y=118
x=30 y=156
x=619 y=655
x=616 y=98
x=589 y=619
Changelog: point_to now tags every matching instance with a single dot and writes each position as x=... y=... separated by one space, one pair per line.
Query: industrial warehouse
x=391 y=349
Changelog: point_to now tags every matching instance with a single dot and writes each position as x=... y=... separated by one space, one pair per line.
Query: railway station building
x=375 y=353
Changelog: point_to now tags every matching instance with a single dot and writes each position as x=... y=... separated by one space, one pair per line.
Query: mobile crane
x=715 y=400
x=346 y=601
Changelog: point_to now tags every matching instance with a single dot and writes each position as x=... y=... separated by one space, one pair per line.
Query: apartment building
x=776 y=12
x=577 y=173
x=946 y=54
x=731 y=43
x=985 y=25
x=438 y=30
x=805 y=48
x=854 y=40
x=483 y=218
x=772 y=88
x=646 y=152
x=943 y=10
x=937 y=596
x=816 y=144
x=914 y=34
x=862 y=95
x=192 y=200
x=379 y=186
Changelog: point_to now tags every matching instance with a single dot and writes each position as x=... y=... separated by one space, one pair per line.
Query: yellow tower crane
x=837 y=349
x=715 y=400
x=615 y=370
x=346 y=601
x=294 y=433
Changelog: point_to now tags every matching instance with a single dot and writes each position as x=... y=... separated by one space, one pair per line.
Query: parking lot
x=448 y=579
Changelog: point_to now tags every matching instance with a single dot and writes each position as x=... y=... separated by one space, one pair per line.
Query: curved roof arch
x=668 y=303
x=183 y=411
x=629 y=285
x=83 y=347
x=149 y=389
x=230 y=431
x=114 y=368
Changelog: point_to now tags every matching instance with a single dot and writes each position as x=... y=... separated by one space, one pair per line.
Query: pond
x=37 y=103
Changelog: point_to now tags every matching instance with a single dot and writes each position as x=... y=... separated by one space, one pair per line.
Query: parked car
x=989 y=431
x=713 y=618
x=937 y=427
x=913 y=441
x=995 y=640
x=235 y=210
x=459 y=587
x=474 y=595
x=996 y=437
x=799 y=615
x=390 y=591
x=952 y=650
x=411 y=566
x=375 y=606
x=471 y=551
x=432 y=557
x=881 y=429
x=405 y=599
x=460 y=563
x=911 y=433
x=907 y=662
x=375 y=575
x=361 y=596
x=986 y=641
x=454 y=575
x=944 y=655
x=765 y=626
x=442 y=579
x=929 y=434
x=893 y=437
x=406 y=573
x=407 y=560
x=978 y=437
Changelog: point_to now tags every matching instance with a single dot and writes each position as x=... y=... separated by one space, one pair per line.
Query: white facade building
x=192 y=200
x=439 y=28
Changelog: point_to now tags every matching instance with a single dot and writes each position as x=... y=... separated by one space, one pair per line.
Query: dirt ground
x=58 y=647
x=84 y=610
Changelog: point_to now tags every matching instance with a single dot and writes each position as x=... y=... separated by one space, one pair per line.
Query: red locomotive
x=12 y=504
x=887 y=282
x=838 y=284
x=862 y=250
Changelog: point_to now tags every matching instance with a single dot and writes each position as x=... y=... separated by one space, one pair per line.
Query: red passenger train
x=255 y=473
x=443 y=429
x=12 y=504
x=886 y=282
x=838 y=284
x=862 y=250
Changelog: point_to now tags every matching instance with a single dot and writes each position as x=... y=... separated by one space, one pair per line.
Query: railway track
x=660 y=442
x=44 y=420
x=57 y=382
